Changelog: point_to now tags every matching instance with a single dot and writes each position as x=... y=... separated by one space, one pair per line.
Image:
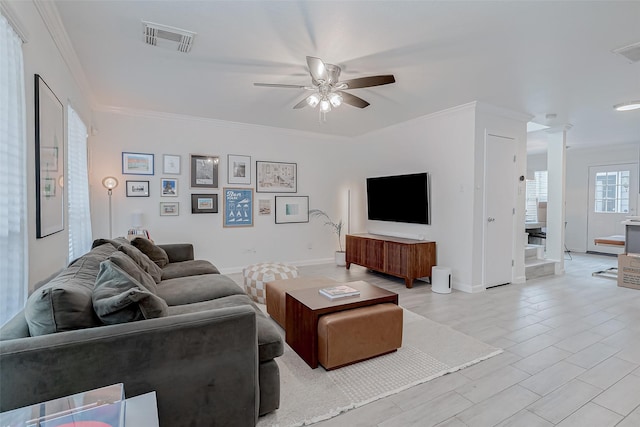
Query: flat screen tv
x=399 y=198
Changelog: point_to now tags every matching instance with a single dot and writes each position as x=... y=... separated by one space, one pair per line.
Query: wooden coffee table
x=305 y=306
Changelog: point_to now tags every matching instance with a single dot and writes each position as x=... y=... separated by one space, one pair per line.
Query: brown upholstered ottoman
x=353 y=335
x=276 y=290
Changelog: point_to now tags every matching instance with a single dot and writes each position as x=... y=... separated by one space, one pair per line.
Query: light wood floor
x=572 y=353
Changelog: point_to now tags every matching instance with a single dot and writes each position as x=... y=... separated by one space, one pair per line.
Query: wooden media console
x=406 y=258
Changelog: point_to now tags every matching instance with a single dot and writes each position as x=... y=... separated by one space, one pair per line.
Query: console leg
x=348 y=265
x=408 y=282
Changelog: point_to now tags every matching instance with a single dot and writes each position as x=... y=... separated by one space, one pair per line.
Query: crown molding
x=503 y=112
x=49 y=13
x=15 y=23
x=161 y=115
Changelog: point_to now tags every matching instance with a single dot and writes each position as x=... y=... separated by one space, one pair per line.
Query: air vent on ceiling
x=166 y=36
x=631 y=52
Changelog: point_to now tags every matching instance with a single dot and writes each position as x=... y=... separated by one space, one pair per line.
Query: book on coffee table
x=340 y=291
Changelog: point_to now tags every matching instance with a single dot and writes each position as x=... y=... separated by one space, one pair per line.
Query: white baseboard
x=519 y=280
x=464 y=287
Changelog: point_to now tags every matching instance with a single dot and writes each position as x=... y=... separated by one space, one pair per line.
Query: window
x=78 y=183
x=536 y=193
x=13 y=147
x=612 y=192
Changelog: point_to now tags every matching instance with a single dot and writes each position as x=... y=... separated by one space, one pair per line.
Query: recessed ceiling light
x=627 y=106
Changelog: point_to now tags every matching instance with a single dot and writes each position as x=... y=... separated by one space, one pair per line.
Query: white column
x=556 y=170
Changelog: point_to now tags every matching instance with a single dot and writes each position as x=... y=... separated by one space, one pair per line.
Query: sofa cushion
x=269 y=339
x=120 y=298
x=155 y=253
x=134 y=270
x=113 y=242
x=188 y=268
x=189 y=290
x=143 y=261
x=64 y=304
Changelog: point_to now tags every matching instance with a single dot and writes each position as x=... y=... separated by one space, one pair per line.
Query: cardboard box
x=629 y=271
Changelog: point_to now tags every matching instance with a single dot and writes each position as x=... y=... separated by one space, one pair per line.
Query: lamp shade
x=109 y=182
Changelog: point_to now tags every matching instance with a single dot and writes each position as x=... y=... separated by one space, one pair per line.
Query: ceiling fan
x=328 y=91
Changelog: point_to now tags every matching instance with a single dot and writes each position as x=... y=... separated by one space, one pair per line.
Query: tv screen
x=399 y=198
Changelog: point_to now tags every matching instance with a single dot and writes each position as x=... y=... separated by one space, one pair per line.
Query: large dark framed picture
x=204 y=171
x=276 y=177
x=49 y=138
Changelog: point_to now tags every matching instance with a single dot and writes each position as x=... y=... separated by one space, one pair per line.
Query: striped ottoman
x=255 y=276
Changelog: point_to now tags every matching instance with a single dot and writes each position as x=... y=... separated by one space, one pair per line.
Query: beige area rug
x=429 y=350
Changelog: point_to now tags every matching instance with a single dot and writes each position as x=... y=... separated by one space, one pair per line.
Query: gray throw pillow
x=134 y=270
x=119 y=298
x=155 y=253
x=143 y=261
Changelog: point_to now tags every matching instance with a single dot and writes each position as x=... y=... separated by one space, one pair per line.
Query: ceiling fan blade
x=369 y=81
x=317 y=68
x=353 y=100
x=300 y=104
x=279 y=85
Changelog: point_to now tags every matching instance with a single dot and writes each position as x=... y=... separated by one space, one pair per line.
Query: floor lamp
x=110 y=183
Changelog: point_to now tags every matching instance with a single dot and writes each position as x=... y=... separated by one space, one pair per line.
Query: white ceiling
x=529 y=56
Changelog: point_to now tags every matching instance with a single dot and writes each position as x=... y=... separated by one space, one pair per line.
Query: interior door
x=613 y=195
x=499 y=204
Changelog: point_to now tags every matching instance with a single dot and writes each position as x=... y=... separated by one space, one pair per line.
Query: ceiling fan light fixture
x=627 y=106
x=313 y=100
x=335 y=99
x=325 y=106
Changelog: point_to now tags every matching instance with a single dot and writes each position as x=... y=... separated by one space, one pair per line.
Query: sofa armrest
x=203 y=366
x=179 y=252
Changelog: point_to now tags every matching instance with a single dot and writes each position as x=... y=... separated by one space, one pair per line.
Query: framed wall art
x=264 y=207
x=204 y=171
x=169 y=208
x=238 y=169
x=49 y=139
x=169 y=187
x=171 y=164
x=204 y=203
x=290 y=209
x=137 y=163
x=137 y=188
x=276 y=177
x=238 y=207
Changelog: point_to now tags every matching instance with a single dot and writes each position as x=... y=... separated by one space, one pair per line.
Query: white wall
x=492 y=120
x=577 y=186
x=441 y=144
x=450 y=146
x=536 y=162
x=322 y=171
x=41 y=56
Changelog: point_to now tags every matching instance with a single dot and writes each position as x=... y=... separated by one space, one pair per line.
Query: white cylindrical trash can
x=441 y=280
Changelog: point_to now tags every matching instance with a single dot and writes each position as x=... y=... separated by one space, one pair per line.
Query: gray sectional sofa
x=182 y=330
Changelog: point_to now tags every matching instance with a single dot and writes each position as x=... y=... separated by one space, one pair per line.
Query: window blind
x=78 y=187
x=13 y=147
